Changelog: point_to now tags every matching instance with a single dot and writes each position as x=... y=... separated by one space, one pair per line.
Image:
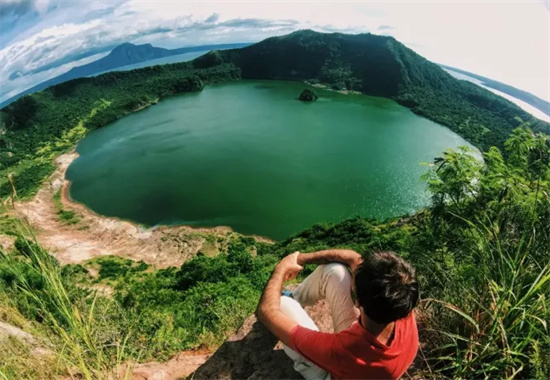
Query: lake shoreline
x=96 y=224
x=327 y=88
x=67 y=200
x=96 y=235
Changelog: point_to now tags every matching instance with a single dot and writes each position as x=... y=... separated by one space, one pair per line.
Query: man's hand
x=289 y=266
x=269 y=308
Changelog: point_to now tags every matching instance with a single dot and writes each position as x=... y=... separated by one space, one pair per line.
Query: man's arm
x=269 y=308
x=342 y=256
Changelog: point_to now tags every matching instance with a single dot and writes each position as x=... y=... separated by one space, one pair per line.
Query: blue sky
x=504 y=40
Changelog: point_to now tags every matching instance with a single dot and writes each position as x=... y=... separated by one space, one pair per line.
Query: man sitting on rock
x=375 y=334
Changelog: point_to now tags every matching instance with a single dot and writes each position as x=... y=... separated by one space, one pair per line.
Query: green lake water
x=250 y=156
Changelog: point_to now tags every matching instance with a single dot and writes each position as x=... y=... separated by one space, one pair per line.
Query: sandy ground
x=95 y=235
x=326 y=87
x=6 y=242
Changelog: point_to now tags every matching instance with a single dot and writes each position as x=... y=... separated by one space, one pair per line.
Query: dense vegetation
x=37 y=127
x=481 y=251
x=382 y=66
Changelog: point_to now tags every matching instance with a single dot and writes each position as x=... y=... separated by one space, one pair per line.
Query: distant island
x=123 y=55
x=308 y=96
x=40 y=126
x=527 y=97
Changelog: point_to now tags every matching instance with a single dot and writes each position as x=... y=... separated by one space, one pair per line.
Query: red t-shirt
x=356 y=354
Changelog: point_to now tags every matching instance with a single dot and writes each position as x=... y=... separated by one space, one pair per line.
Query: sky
x=504 y=40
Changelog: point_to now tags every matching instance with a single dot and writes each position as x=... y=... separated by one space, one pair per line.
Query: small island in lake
x=308 y=96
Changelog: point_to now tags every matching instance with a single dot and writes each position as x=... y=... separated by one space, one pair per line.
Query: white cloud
x=31 y=80
x=501 y=40
x=36 y=53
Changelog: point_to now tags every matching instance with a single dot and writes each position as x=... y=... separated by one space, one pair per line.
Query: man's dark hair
x=386 y=287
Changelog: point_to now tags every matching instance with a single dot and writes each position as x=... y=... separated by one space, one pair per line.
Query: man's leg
x=331 y=282
x=294 y=311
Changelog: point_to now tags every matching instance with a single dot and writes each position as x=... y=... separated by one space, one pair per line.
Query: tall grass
x=27 y=356
x=500 y=328
x=492 y=315
x=86 y=342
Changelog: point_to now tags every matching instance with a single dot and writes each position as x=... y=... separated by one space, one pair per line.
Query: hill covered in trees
x=382 y=66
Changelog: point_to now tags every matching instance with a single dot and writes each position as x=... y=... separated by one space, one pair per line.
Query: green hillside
x=382 y=66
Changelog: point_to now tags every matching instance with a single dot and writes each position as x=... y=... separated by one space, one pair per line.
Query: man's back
x=356 y=354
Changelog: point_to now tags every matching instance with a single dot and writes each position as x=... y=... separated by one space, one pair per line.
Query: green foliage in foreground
x=116 y=267
x=150 y=315
x=27 y=179
x=481 y=252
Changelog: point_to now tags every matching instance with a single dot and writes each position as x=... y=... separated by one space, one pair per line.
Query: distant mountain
x=123 y=55
x=381 y=66
x=527 y=97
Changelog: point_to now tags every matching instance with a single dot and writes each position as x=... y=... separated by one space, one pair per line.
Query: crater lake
x=249 y=155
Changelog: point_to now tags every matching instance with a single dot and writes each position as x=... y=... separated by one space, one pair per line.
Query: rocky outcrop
x=251 y=353
x=254 y=353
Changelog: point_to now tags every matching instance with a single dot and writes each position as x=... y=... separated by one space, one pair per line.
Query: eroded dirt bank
x=95 y=235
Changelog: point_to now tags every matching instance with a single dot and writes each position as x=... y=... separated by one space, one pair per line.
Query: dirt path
x=96 y=235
